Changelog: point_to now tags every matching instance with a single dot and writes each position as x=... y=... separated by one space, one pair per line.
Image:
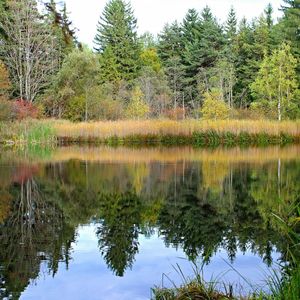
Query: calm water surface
x=111 y=223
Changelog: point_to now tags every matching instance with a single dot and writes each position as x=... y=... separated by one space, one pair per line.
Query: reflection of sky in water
x=89 y=278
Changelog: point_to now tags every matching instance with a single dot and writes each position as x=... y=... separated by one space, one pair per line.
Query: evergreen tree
x=170 y=43
x=212 y=39
x=191 y=43
x=170 y=48
x=110 y=71
x=116 y=30
x=252 y=43
x=269 y=16
x=211 y=46
x=62 y=28
x=291 y=27
x=3 y=12
x=67 y=29
x=231 y=25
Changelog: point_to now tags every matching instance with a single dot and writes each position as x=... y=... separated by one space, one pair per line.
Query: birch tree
x=29 y=50
x=275 y=87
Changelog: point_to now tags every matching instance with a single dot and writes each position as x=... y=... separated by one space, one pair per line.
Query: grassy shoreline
x=152 y=132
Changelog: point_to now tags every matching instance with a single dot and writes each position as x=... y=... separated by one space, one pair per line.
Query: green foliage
x=6 y=110
x=214 y=107
x=116 y=31
x=149 y=58
x=170 y=49
x=109 y=67
x=61 y=26
x=73 y=86
x=231 y=25
x=75 y=108
x=291 y=23
x=5 y=84
x=103 y=106
x=275 y=88
x=137 y=107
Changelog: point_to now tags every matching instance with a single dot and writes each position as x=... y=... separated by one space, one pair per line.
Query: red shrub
x=25 y=109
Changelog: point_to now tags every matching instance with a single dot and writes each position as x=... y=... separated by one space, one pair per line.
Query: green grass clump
x=195 y=288
x=29 y=132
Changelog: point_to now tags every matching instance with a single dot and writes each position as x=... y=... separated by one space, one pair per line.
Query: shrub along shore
x=151 y=132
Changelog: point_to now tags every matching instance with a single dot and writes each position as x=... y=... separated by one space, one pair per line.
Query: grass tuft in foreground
x=284 y=285
x=192 y=288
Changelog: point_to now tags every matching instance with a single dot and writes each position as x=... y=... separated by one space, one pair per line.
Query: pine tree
x=170 y=48
x=117 y=30
x=170 y=42
x=231 y=25
x=67 y=27
x=191 y=41
x=212 y=39
x=62 y=28
x=3 y=12
x=252 y=43
x=110 y=72
x=291 y=27
x=269 y=16
x=231 y=34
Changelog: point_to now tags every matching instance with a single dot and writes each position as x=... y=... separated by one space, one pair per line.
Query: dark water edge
x=108 y=222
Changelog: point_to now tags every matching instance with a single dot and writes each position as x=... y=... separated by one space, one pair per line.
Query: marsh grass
x=152 y=132
x=187 y=132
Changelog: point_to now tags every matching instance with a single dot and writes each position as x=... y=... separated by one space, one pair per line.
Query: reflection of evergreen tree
x=119 y=229
x=33 y=232
x=188 y=220
x=250 y=229
x=201 y=221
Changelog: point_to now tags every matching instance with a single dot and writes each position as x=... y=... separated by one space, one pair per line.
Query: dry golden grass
x=101 y=130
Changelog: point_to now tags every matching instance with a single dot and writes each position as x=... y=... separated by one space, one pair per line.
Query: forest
x=197 y=68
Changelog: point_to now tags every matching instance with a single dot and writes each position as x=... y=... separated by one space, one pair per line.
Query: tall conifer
x=117 y=30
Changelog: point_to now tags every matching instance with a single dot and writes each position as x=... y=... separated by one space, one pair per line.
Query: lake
x=112 y=223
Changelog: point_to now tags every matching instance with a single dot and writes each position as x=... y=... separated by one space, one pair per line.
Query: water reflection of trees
x=119 y=229
x=32 y=233
x=192 y=208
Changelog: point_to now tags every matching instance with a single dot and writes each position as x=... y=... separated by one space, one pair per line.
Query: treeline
x=197 y=68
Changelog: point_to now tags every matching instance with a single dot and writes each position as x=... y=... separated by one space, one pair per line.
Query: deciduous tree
x=275 y=87
x=29 y=49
